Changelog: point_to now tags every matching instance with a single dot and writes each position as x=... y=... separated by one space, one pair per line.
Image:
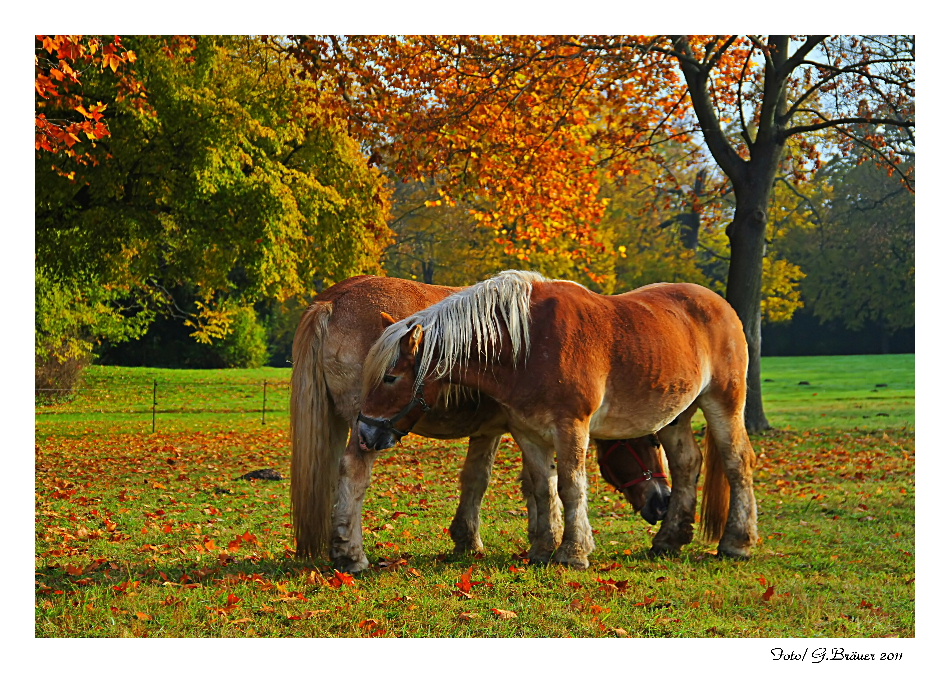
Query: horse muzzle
x=657 y=506
x=376 y=435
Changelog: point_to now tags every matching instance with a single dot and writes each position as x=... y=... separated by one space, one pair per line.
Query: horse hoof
x=663 y=552
x=575 y=564
x=466 y=548
x=352 y=566
x=737 y=554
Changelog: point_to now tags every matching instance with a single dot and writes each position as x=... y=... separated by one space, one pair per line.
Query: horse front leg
x=539 y=486
x=476 y=473
x=571 y=447
x=346 y=544
x=684 y=460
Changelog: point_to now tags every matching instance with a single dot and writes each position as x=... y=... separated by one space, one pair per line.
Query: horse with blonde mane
x=330 y=472
x=566 y=364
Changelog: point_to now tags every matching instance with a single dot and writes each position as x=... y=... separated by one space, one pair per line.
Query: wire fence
x=157 y=398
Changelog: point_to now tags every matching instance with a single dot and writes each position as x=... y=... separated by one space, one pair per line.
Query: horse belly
x=619 y=417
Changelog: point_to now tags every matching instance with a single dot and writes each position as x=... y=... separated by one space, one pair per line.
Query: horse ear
x=386 y=319
x=415 y=339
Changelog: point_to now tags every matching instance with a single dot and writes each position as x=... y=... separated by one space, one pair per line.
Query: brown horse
x=329 y=474
x=634 y=467
x=566 y=364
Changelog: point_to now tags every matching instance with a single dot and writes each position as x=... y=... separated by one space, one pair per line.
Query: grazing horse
x=635 y=468
x=567 y=364
x=330 y=474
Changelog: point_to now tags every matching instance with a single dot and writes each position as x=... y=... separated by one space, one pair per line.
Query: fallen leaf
x=504 y=614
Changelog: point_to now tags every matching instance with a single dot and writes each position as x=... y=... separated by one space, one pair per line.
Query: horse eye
x=389 y=378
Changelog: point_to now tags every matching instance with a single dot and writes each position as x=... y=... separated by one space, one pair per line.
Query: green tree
x=859 y=260
x=228 y=181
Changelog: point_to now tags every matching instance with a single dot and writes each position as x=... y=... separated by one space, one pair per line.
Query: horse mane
x=450 y=327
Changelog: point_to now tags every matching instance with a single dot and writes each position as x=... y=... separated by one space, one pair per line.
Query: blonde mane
x=452 y=326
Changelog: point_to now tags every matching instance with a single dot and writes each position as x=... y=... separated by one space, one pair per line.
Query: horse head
x=395 y=397
x=634 y=467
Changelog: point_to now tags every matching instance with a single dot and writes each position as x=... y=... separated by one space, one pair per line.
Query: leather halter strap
x=647 y=474
x=389 y=424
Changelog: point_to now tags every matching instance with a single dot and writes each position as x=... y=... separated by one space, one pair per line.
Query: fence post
x=154 y=402
x=264 y=405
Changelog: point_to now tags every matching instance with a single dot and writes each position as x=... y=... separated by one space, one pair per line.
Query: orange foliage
x=513 y=122
x=59 y=63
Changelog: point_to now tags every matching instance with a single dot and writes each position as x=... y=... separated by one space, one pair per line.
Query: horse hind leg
x=684 y=460
x=476 y=473
x=729 y=486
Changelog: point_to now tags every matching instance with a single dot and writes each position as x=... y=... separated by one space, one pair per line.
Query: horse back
x=657 y=347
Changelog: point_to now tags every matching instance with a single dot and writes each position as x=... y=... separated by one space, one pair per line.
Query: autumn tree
x=528 y=122
x=223 y=179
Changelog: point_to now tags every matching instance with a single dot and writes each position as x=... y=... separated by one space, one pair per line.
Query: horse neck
x=492 y=376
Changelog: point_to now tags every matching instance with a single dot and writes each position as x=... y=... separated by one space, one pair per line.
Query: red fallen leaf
x=614 y=585
x=646 y=601
x=465 y=581
x=575 y=585
x=233 y=600
x=144 y=617
x=167 y=528
x=612 y=566
x=74 y=570
x=250 y=537
x=339 y=579
x=768 y=593
x=504 y=614
x=764 y=582
x=368 y=624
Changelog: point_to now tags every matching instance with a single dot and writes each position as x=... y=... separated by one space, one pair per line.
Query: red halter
x=647 y=473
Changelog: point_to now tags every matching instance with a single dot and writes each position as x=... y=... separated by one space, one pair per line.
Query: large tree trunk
x=744 y=292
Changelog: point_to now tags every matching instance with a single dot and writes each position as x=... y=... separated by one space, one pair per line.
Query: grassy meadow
x=142 y=534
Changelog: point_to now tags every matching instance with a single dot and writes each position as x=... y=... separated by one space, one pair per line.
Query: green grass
x=141 y=534
x=121 y=399
x=843 y=392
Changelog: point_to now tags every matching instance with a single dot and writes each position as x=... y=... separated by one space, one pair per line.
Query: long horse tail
x=715 y=507
x=315 y=456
